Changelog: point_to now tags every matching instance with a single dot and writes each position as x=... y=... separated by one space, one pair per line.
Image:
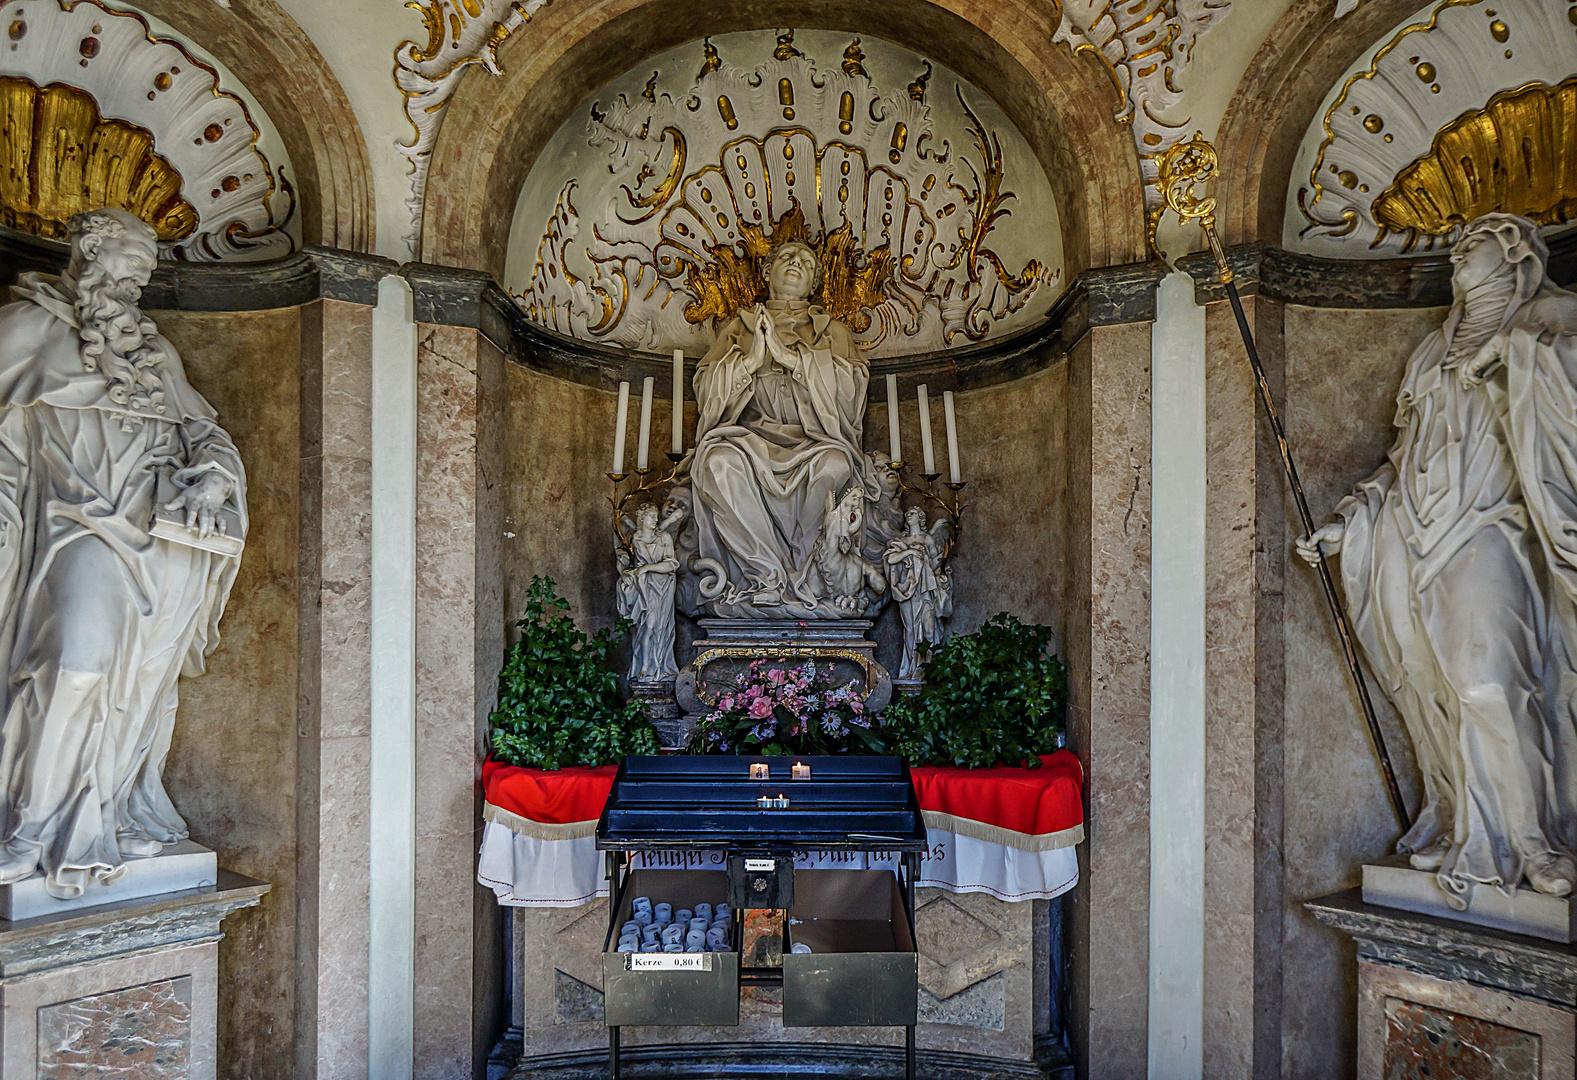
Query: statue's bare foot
x=1552 y=874
x=137 y=846
x=18 y=860
x=1432 y=856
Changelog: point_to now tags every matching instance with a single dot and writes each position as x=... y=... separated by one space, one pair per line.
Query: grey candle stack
x=659 y=928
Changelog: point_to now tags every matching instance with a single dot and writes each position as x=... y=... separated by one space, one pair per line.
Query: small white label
x=761 y=864
x=667 y=961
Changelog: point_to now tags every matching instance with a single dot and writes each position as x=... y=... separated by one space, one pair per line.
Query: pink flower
x=726 y=704
x=858 y=706
x=776 y=676
x=760 y=709
x=754 y=691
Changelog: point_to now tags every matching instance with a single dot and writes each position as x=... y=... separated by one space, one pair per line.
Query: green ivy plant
x=994 y=697
x=558 y=703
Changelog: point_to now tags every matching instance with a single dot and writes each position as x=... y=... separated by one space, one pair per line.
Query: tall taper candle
x=894 y=444
x=926 y=450
x=618 y=429
x=678 y=441
x=954 y=475
x=646 y=424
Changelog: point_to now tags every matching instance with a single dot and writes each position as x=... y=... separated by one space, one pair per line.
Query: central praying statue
x=777 y=463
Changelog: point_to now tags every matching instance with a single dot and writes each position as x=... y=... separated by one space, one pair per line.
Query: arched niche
x=1278 y=97
x=277 y=62
x=495 y=128
x=646 y=219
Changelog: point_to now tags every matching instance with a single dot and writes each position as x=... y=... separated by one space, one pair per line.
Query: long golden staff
x=1182 y=168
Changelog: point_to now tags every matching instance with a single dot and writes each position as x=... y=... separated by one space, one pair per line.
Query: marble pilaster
x=459 y=649
x=1107 y=639
x=332 y=781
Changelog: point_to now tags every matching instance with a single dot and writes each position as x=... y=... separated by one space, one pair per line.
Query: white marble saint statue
x=782 y=397
x=99 y=618
x=1459 y=563
x=921 y=585
x=646 y=593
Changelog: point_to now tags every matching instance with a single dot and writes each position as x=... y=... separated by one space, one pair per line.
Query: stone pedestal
x=1440 y=998
x=730 y=645
x=1394 y=883
x=181 y=866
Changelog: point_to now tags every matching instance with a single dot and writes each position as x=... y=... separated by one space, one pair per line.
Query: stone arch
x=1062 y=104
x=279 y=65
x=1277 y=100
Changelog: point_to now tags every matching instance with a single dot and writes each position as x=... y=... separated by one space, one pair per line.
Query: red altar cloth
x=1031 y=809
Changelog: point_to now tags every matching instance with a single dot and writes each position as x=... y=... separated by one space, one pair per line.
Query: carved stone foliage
x=904 y=218
x=1145 y=47
x=96 y=111
x=1464 y=110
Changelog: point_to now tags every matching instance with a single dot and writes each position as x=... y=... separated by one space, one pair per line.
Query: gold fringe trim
x=538 y=829
x=995 y=834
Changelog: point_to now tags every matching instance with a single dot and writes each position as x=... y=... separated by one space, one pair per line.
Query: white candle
x=618 y=429
x=955 y=476
x=894 y=446
x=678 y=441
x=926 y=450
x=646 y=424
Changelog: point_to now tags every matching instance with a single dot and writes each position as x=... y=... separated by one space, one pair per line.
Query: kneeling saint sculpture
x=781 y=398
x=102 y=608
x=1459 y=564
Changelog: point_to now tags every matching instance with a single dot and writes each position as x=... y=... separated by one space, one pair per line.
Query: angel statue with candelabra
x=646 y=590
x=920 y=583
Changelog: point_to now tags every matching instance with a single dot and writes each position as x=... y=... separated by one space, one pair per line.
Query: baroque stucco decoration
x=1462 y=113
x=1145 y=47
x=460 y=33
x=709 y=180
x=94 y=110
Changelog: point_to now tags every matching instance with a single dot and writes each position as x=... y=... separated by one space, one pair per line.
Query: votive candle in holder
x=800 y=771
x=758 y=770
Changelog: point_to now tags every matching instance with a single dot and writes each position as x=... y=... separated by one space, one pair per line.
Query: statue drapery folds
x=1458 y=559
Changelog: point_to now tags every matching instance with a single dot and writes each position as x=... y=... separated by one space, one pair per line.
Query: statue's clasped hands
x=768 y=345
x=202 y=503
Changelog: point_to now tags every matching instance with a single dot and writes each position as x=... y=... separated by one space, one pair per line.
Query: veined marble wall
x=232 y=765
x=1342 y=370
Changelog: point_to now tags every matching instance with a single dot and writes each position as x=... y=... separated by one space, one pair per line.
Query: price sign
x=761 y=864
x=667 y=961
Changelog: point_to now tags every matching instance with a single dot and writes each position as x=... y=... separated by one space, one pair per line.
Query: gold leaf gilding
x=1517 y=155
x=62 y=158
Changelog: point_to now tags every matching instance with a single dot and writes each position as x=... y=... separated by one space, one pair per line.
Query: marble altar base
x=126 y=989
x=1441 y=998
x=729 y=645
x=1394 y=883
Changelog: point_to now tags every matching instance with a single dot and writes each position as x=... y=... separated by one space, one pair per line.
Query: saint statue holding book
x=122 y=514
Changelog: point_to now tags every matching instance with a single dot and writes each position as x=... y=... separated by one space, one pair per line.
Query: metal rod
x=1184 y=166
x=1327 y=583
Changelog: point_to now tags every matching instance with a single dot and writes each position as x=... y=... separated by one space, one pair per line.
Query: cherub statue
x=921 y=584
x=839 y=569
x=884 y=518
x=646 y=593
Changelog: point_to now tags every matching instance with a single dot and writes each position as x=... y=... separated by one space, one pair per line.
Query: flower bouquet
x=777 y=709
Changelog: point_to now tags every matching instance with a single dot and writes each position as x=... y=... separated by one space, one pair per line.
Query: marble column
x=332 y=778
x=459 y=650
x=1107 y=640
